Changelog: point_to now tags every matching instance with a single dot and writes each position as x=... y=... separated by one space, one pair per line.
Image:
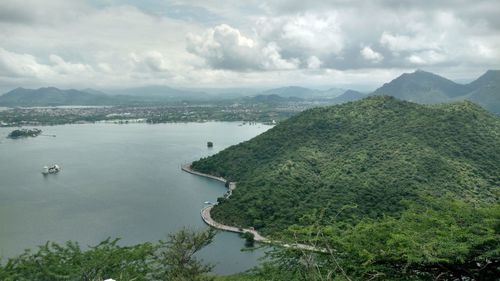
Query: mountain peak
x=490 y=77
x=422 y=87
x=423 y=73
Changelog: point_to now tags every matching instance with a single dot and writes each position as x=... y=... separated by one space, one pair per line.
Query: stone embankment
x=207 y=218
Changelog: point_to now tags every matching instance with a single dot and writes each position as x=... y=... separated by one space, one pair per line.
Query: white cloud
x=21 y=65
x=313 y=62
x=369 y=54
x=150 y=61
x=105 y=67
x=398 y=43
x=224 y=47
x=443 y=38
x=313 y=32
x=272 y=58
x=317 y=33
x=68 y=68
x=426 y=58
x=25 y=65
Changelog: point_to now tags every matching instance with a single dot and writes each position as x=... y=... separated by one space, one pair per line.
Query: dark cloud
x=10 y=14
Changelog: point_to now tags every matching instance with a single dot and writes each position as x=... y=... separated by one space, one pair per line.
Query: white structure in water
x=51 y=170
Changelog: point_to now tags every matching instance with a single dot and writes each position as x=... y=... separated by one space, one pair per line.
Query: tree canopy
x=359 y=160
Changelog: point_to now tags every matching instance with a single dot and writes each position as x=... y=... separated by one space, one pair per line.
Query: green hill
x=359 y=160
x=422 y=87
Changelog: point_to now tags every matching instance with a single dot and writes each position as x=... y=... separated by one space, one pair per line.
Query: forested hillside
x=359 y=160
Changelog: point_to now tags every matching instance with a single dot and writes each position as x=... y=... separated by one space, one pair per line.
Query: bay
x=116 y=181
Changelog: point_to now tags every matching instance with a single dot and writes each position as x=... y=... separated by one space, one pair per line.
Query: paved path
x=207 y=218
x=187 y=168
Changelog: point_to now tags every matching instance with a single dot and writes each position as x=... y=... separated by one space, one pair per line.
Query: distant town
x=53 y=106
x=34 y=116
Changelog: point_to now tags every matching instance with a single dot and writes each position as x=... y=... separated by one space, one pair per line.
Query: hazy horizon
x=364 y=88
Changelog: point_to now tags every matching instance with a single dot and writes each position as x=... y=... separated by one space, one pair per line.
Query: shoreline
x=205 y=212
x=207 y=218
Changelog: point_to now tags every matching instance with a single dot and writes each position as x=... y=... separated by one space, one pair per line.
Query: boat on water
x=54 y=169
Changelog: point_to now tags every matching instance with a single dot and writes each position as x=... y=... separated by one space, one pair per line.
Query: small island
x=24 y=133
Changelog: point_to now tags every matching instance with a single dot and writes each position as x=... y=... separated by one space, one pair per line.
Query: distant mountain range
x=419 y=86
x=162 y=94
x=272 y=98
x=347 y=96
x=304 y=93
x=51 y=96
x=157 y=93
x=486 y=91
x=428 y=88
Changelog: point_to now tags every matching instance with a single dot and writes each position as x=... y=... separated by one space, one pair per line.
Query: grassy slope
x=370 y=154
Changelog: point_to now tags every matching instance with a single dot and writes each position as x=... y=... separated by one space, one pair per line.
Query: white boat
x=54 y=169
x=208 y=202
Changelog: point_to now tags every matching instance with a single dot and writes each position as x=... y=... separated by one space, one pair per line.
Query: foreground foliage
x=172 y=259
x=446 y=240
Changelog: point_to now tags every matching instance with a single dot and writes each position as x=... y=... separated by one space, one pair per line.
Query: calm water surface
x=116 y=181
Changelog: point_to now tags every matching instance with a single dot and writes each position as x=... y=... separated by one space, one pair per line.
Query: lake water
x=116 y=181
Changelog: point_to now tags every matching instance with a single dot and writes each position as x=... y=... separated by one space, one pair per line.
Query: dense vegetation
x=359 y=160
x=172 y=259
x=445 y=240
x=23 y=133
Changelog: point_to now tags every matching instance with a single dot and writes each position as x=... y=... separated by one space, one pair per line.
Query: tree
x=166 y=260
x=54 y=262
x=175 y=257
x=249 y=239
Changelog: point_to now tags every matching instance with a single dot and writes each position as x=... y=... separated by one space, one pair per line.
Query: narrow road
x=207 y=218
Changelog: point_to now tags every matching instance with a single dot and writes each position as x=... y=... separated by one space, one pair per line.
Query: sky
x=253 y=43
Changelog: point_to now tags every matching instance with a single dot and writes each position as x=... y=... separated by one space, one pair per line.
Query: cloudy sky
x=251 y=43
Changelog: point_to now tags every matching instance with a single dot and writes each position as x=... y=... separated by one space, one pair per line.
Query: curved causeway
x=205 y=212
x=207 y=218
